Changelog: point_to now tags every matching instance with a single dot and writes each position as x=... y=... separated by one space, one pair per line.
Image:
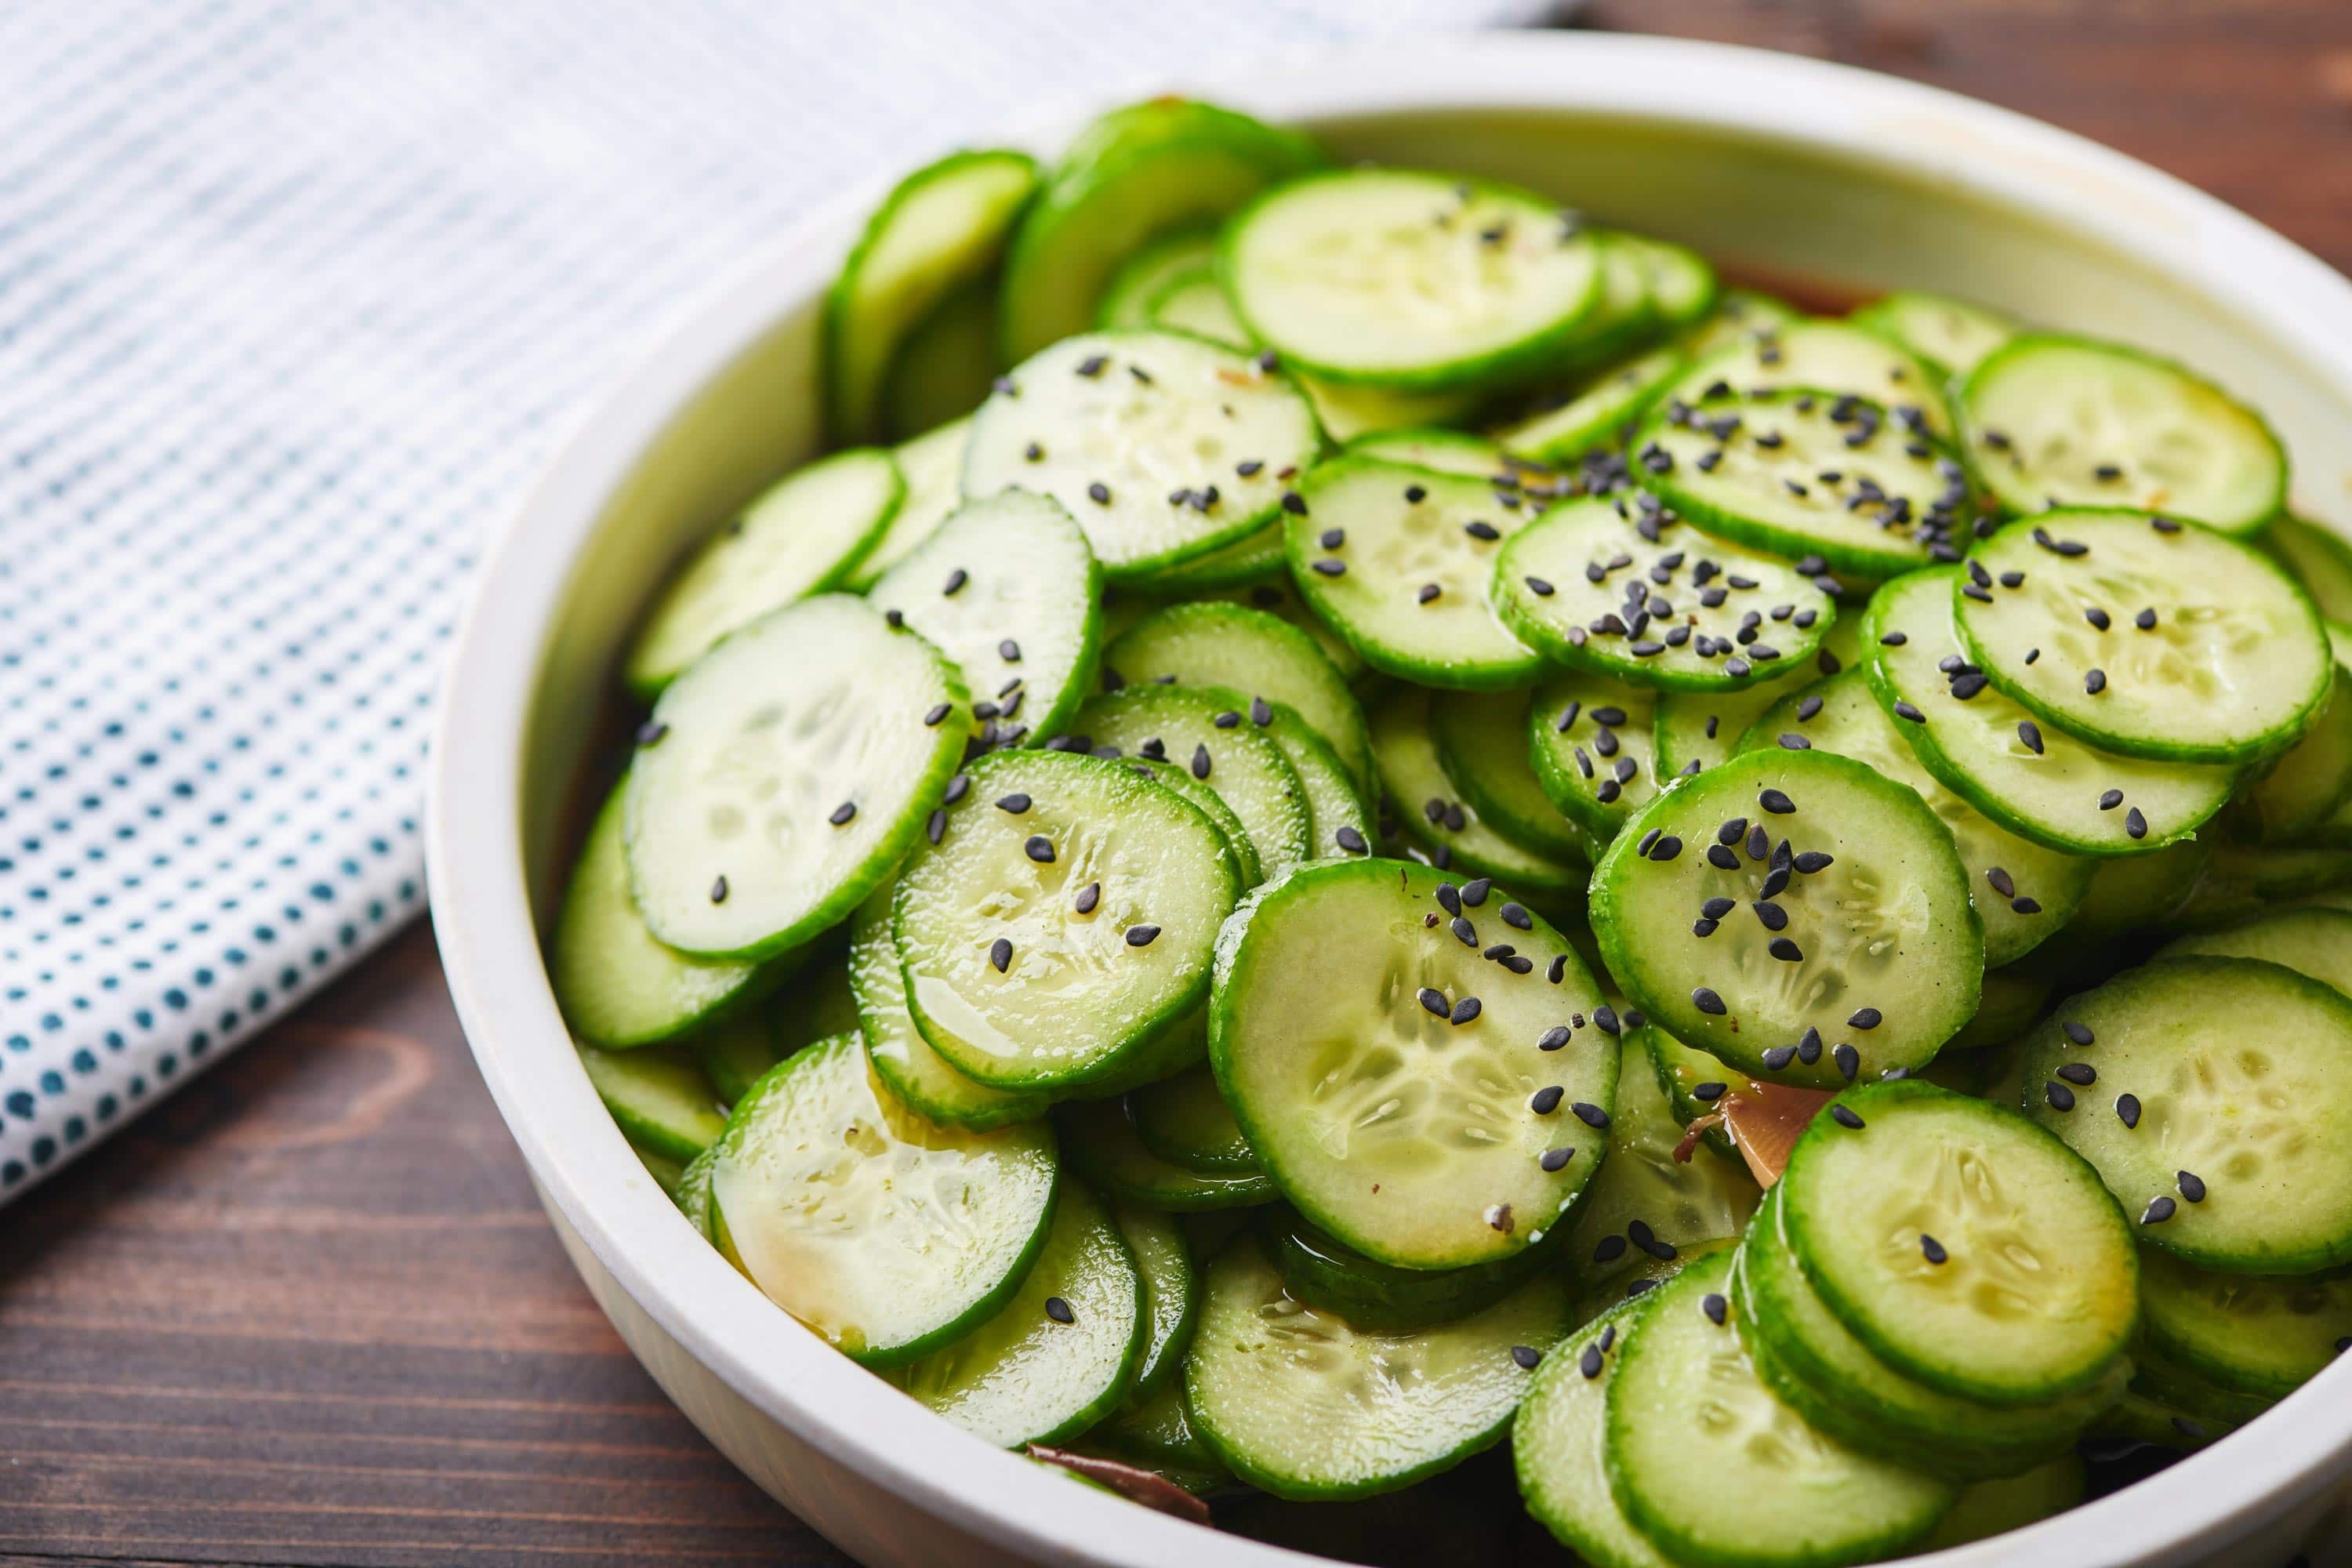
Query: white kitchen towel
x=294 y=295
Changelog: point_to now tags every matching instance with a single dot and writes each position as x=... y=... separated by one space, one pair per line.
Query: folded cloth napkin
x=293 y=297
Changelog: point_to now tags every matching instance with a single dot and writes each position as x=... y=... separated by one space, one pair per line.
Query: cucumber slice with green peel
x=1708 y=1463
x=2238 y=1070
x=1596 y=413
x=2129 y=893
x=818 y=1004
x=2042 y=785
x=932 y=466
x=1262 y=657
x=2317 y=558
x=2012 y=1001
x=946 y=365
x=2261 y=1336
x=1740 y=316
x=1328 y=1275
x=1802 y=473
x=1298 y=1402
x=1645 y=1272
x=1951 y=336
x=1184 y=1120
x=691 y=1191
x=1146 y=275
x=2317 y=942
x=736 y=1051
x=908 y=1066
x=1062 y=922
x=2211 y=1406
x=1581 y=585
x=1414 y=780
x=1171 y=1297
x=1968 y=1247
x=1337 y=821
x=1163 y=447
x=1591 y=741
x=1157 y=1436
x=1418 y=1140
x=887 y=1236
x=1156 y=168
x=666 y=1172
x=1447 y=451
x=1683 y=285
x=2023 y=892
x=1170 y=775
x=1006 y=588
x=2306 y=789
x=1410 y=280
x=1623 y=318
x=806 y=535
x=1397 y=532
x=2234 y=662
x=1482 y=744
x=660 y=1099
x=1348 y=413
x=2054 y=421
x=1888 y=956
x=2004 y=1503
x=941 y=228
x=1179 y=725
x=1559 y=1447
x=2241 y=880
x=1647 y=1204
x=1197 y=304
x=1821 y=356
x=1061 y=1352
x=2139 y=1417
x=1100 y=1142
x=616 y=983
x=1704 y=727
x=782 y=778
x=1281 y=598
x=1251 y=560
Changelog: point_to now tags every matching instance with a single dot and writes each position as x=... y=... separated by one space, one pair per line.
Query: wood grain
x=309 y=1312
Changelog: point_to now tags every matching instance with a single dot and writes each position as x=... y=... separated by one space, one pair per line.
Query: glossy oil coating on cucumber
x=1327 y=1274
x=1404 y=1102
x=1559 y=1447
x=2313 y=941
x=1430 y=808
x=2256 y=1336
x=1337 y=822
x=2303 y=796
x=1098 y=1139
x=1703 y=728
x=1590 y=740
x=885 y=1233
x=1820 y=357
x=1175 y=776
x=736 y=1051
x=1868 y=960
x=902 y=1058
x=1482 y=743
x=1183 y=726
x=1952 y=336
x=932 y=466
x=1185 y=1120
x=1171 y=1296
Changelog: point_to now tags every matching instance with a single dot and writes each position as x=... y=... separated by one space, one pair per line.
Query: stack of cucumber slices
x=1358 y=818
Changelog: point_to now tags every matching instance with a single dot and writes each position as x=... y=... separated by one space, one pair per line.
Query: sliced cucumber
x=1702 y=728
x=2233 y=662
x=1197 y=304
x=1146 y=275
x=1062 y=923
x=1157 y=1436
x=1447 y=451
x=932 y=466
x=1482 y=743
x=1332 y=1276
x=1592 y=742
x=2129 y=893
x=946 y=365
x=1281 y=598
x=918 y=1075
x=1396 y=533
x=2044 y=785
x=2261 y=1337
x=782 y=777
x=2057 y=421
x=1171 y=1297
x=1410 y=280
x=1597 y=412
x=1179 y=725
x=2141 y=1417
x=2319 y=559
x=1740 y=316
x=2184 y=1389
x=805 y=535
x=1417 y=1141
x=2304 y=794
x=1184 y=1120
x=2239 y=1070
x=1177 y=777
x=1348 y=411
x=1623 y=318
x=736 y=1051
x=666 y=1172
x=1882 y=933
x=887 y=1236
x=660 y=1101
x=1581 y=584
x=691 y=1191
x=1425 y=796
x=1682 y=287
x=942 y=228
x=1559 y=1447
x=818 y=1005
x=1247 y=562
x=1134 y=175
x=1299 y=1403
x=1951 y=336
x=2008 y=1502
x=1337 y=820
x=1711 y=1466
x=1821 y=356
x=1100 y=1142
x=2314 y=941
x=1061 y=1352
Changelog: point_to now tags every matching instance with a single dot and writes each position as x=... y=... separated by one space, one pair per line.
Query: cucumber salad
x=1358 y=820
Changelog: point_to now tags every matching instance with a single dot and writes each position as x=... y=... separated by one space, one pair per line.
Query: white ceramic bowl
x=1783 y=165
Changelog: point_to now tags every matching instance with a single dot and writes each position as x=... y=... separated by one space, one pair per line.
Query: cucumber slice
x=1179 y=724
x=1968 y=1247
x=1952 y=337
x=1559 y=1447
x=1258 y=654
x=1348 y=411
x=1711 y=1466
x=1247 y=562
x=2129 y=893
x=782 y=777
x=886 y=1234
x=691 y=1191
x=1425 y=796
x=737 y=1052
x=1447 y=451
x=1171 y=1297
x=1061 y=1354
x=1821 y=356
x=1740 y=317
x=1592 y=743
x=803 y=536
x=1298 y=1403
x=1410 y=280
x=1809 y=474
x=2021 y=891
x=943 y=226
x=1197 y=304
x=1282 y=599
x=1145 y=276
x=2317 y=942
x=1885 y=926
x=2139 y=1417
x=1682 y=285
x=1482 y=743
x=2044 y=785
x=908 y=1066
x=1184 y=1120
x=2236 y=662
x=2306 y=789
x=2318 y=558
x=1328 y=1275
x=2012 y=1001
x=2058 y=421
x=1157 y=1436
x=1648 y=1205
x=1008 y=590
x=661 y=1102
x=2008 y=1502
x=1597 y=412
x=1163 y=447
x=1398 y=531
x=2239 y=1068
x=666 y=1172
x=1151 y=169
x=1170 y=775
x=946 y=365
x=1413 y=1139
x=2254 y=1336
x=1337 y=821
x=1015 y=975
x=2184 y=1389
x=1100 y=1142
x=1581 y=584
x=932 y=466
x=820 y=1005
x=1623 y=318
x=616 y=984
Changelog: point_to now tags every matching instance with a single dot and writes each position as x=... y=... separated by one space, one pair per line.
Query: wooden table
x=309 y=1312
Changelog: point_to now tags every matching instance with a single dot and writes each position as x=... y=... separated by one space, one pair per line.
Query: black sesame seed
x=2081 y=1074
x=1707 y=1002
x=1327 y=567
x=1589 y=1364
x=1717 y=1309
x=1089 y=897
x=651 y=732
x=1544 y=1102
x=1779 y=1056
x=936 y=827
x=2145 y=620
x=1760 y=843
x=1809 y=1046
x=1793 y=743
x=1705 y=927
x=1772 y=916
x=1464 y=1011
x=2135 y=822
x=1732 y=832
x=1000 y=954
x=2031 y=733
x=1558 y=970
x=1844 y=1116
x=1463 y=931
x=1141 y=936
x=1785 y=951
x=1059 y=1311
x=843 y=813
x=1812 y=860
x=1016 y=802
x=2192 y=1187
x=1932 y=1249
x=1200 y=762
x=1778 y=804
x=2095 y=682
x=1433 y=1002
x=1039 y=848
x=2127 y=1108
x=1666 y=847
x=1589 y=1114
x=1707 y=1093
x=1351 y=841
x=1553 y=1039
x=2060 y=1097
x=2098 y=618
x=1555 y=1159
x=2158 y=1210
x=1848 y=1060
x=1294 y=503
x=1518 y=918
x=2025 y=906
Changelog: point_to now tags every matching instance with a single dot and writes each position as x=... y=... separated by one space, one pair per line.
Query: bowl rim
x=475 y=825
